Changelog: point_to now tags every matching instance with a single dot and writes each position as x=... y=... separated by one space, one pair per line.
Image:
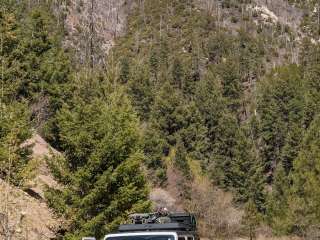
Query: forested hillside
x=216 y=102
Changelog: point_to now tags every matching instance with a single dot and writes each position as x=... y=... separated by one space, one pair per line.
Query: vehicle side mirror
x=88 y=238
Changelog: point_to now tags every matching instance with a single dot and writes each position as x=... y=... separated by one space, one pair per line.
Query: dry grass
x=217 y=217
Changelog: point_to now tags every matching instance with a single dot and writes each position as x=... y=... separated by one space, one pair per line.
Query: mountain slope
x=201 y=105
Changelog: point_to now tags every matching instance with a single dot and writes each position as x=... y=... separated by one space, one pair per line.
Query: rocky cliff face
x=92 y=26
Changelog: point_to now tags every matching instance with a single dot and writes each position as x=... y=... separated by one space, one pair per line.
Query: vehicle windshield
x=143 y=237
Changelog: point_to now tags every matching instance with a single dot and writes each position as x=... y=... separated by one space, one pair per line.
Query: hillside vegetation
x=216 y=102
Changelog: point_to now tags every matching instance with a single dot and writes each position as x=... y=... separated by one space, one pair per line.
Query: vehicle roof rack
x=155 y=227
x=162 y=220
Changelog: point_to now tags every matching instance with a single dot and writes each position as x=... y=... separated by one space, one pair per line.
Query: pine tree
x=9 y=30
x=246 y=172
x=249 y=56
x=180 y=159
x=311 y=75
x=155 y=146
x=154 y=64
x=219 y=46
x=292 y=146
x=102 y=147
x=192 y=75
x=210 y=102
x=174 y=119
x=34 y=64
x=164 y=52
x=281 y=109
x=224 y=150
x=278 y=210
x=305 y=189
x=166 y=114
x=14 y=131
x=193 y=132
x=251 y=219
x=124 y=70
x=177 y=73
x=142 y=91
x=231 y=83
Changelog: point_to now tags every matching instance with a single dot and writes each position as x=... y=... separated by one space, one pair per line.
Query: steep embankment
x=29 y=217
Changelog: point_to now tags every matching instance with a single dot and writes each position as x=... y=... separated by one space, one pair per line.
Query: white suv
x=142 y=236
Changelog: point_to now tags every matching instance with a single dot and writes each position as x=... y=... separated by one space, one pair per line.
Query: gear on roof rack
x=162 y=220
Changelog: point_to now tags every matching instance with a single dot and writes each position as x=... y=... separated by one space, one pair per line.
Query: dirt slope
x=28 y=215
x=29 y=218
x=41 y=151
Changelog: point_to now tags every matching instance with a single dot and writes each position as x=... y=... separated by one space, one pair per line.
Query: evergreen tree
x=14 y=131
x=155 y=146
x=224 y=150
x=34 y=64
x=192 y=75
x=232 y=89
x=219 y=46
x=305 y=189
x=141 y=89
x=193 y=132
x=281 y=108
x=181 y=157
x=124 y=70
x=249 y=56
x=9 y=30
x=292 y=146
x=154 y=63
x=177 y=73
x=252 y=219
x=166 y=114
x=278 y=210
x=246 y=172
x=174 y=119
x=102 y=146
x=164 y=52
x=311 y=75
x=210 y=102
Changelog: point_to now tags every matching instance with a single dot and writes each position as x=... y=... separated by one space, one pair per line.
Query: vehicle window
x=181 y=238
x=143 y=237
x=190 y=238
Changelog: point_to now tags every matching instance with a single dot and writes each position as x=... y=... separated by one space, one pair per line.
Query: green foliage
x=281 y=106
x=286 y=110
x=247 y=178
x=33 y=45
x=177 y=74
x=192 y=82
x=166 y=114
x=278 y=210
x=231 y=83
x=252 y=219
x=305 y=189
x=237 y=165
x=124 y=71
x=14 y=131
x=34 y=67
x=177 y=121
x=141 y=90
x=220 y=46
x=102 y=143
x=311 y=61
